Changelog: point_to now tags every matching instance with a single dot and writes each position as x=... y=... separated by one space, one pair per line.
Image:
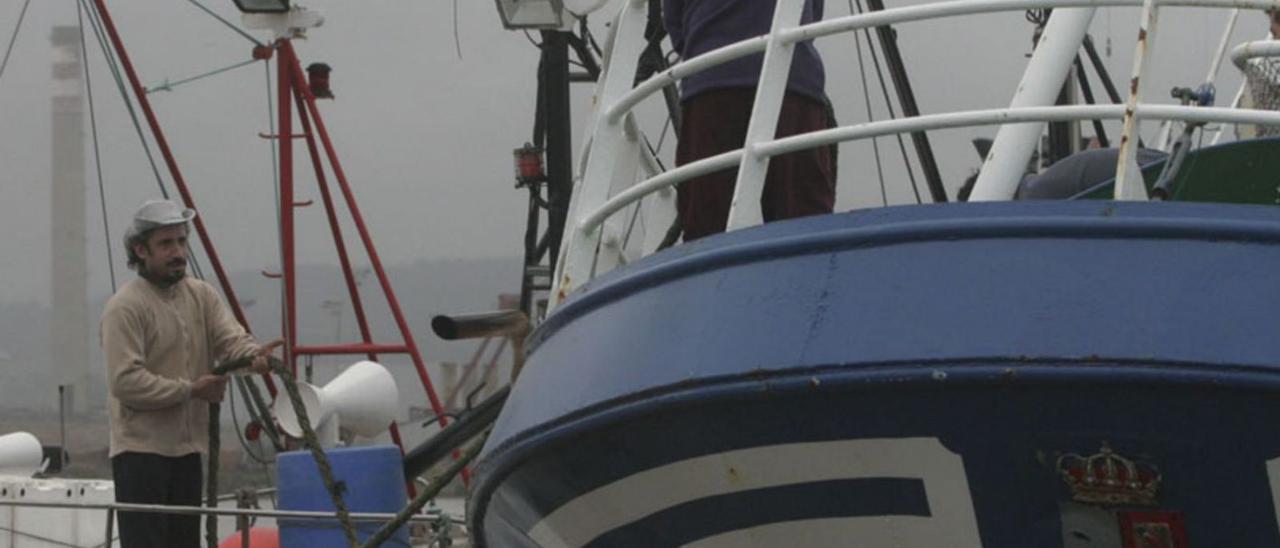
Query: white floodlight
x=532 y=14
x=292 y=23
x=262 y=6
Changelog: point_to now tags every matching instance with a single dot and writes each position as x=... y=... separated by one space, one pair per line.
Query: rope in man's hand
x=263 y=362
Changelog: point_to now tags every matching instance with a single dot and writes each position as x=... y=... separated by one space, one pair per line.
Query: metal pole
x=284 y=140
x=1222 y=47
x=326 y=197
x=531 y=256
x=555 y=82
x=1101 y=68
x=365 y=238
x=62 y=424
x=207 y=511
x=1052 y=59
x=1129 y=184
x=1064 y=137
x=111 y=525
x=1098 y=131
x=907 y=99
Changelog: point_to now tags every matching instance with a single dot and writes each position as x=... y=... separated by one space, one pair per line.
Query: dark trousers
x=146 y=478
x=797 y=184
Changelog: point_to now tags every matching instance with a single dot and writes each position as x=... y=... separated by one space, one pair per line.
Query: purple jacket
x=699 y=26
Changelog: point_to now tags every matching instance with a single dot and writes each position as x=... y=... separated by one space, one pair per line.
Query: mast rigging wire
x=168 y=86
x=529 y=37
x=229 y=24
x=109 y=55
x=14 y=38
x=271 y=143
x=902 y=147
x=235 y=419
x=457 y=40
x=97 y=154
x=274 y=144
x=866 y=96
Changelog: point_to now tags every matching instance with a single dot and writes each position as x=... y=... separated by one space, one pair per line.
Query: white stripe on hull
x=642 y=494
x=870 y=532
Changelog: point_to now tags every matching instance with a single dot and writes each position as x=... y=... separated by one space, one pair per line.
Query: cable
x=229 y=24
x=591 y=38
x=168 y=86
x=666 y=126
x=1038 y=17
x=109 y=55
x=97 y=155
x=271 y=145
x=274 y=144
x=196 y=269
x=457 y=40
x=902 y=147
x=235 y=420
x=866 y=96
x=21 y=16
x=529 y=37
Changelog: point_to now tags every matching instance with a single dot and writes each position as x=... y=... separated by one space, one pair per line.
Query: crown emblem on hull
x=1106 y=477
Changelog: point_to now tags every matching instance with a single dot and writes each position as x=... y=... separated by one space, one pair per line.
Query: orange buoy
x=259 y=537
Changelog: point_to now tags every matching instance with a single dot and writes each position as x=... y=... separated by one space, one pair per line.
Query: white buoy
x=20 y=455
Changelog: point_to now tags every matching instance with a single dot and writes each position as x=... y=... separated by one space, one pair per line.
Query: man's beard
x=165 y=280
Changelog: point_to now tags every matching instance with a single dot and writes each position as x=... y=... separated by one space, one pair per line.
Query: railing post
x=111 y=527
x=1129 y=184
x=745 y=210
x=613 y=235
x=577 y=260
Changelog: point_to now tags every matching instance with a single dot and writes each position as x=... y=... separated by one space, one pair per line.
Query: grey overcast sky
x=426 y=137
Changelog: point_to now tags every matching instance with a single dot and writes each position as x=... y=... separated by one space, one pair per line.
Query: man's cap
x=158 y=213
x=154 y=214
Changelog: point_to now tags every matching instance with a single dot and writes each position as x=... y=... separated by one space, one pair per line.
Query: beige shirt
x=157 y=341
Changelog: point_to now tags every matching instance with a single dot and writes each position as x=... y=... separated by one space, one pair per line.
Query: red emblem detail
x=1152 y=529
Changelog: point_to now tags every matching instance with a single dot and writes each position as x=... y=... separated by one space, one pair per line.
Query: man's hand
x=260 y=364
x=209 y=388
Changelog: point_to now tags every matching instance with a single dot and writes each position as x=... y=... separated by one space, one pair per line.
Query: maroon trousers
x=797 y=184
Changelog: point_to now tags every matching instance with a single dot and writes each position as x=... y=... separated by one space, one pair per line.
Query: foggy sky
x=426 y=137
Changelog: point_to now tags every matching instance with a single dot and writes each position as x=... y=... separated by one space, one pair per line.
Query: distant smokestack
x=69 y=325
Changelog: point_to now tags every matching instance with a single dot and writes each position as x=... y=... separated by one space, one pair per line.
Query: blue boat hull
x=909 y=377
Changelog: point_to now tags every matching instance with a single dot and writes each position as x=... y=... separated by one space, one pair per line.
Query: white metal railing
x=112 y=508
x=583 y=255
x=1241 y=54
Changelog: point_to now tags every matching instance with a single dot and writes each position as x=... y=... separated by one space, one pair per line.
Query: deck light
x=318 y=75
x=531 y=14
x=529 y=165
x=262 y=6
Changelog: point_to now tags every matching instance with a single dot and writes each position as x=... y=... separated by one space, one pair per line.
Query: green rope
x=168 y=86
x=434 y=486
x=215 y=449
x=334 y=487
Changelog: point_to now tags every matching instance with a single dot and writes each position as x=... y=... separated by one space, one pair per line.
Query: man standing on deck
x=716 y=109
x=161 y=334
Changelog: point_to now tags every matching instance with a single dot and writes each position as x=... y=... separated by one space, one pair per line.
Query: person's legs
x=713 y=122
x=800 y=183
x=140 y=478
x=184 y=490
